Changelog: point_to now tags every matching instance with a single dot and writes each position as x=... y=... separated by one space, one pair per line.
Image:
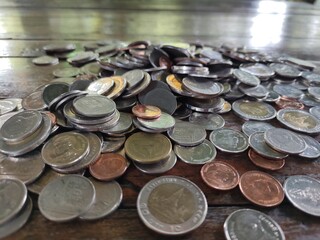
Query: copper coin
x=220 y=175
x=269 y=164
x=146 y=111
x=261 y=188
x=108 y=167
x=285 y=102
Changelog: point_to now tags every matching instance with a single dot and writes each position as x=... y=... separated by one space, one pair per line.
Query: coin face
x=133 y=78
x=164 y=122
x=250 y=127
x=253 y=110
x=101 y=86
x=249 y=224
x=288 y=91
x=261 y=188
x=258 y=69
x=265 y=163
x=7 y=106
x=171 y=205
x=246 y=78
x=202 y=87
x=119 y=86
x=53 y=90
x=285 y=70
x=315 y=111
x=303 y=193
x=210 y=121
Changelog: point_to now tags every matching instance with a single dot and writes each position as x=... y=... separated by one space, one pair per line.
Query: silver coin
x=34 y=101
x=138 y=125
x=289 y=91
x=258 y=69
x=286 y=70
x=284 y=141
x=18 y=101
x=258 y=91
x=299 y=120
x=26 y=168
x=101 y=86
x=159 y=167
x=311 y=77
x=259 y=145
x=124 y=104
x=160 y=203
x=254 y=110
x=202 y=87
x=5 y=117
x=20 y=126
x=82 y=57
x=210 y=121
x=107 y=200
x=13 y=195
x=164 y=122
x=315 y=111
x=314 y=92
x=66 y=72
x=303 y=193
x=139 y=88
x=45 y=60
x=53 y=90
x=187 y=134
x=249 y=224
x=7 y=106
x=133 y=78
x=18 y=221
x=229 y=140
x=250 y=127
x=313 y=147
x=300 y=62
x=124 y=123
x=200 y=154
x=211 y=105
x=272 y=96
x=59 y=47
x=63 y=98
x=112 y=144
x=309 y=101
x=246 y=78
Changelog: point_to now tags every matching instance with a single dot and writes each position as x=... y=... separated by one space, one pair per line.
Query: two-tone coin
x=254 y=110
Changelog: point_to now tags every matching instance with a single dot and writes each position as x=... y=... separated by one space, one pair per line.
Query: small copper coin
x=146 y=111
x=284 y=102
x=269 y=164
x=261 y=188
x=220 y=175
x=108 y=167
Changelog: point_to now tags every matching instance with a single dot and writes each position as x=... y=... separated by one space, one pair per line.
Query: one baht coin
x=172 y=205
x=253 y=110
x=249 y=224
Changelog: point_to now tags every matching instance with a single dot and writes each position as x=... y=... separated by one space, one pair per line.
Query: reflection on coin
x=220 y=175
x=66 y=198
x=303 y=193
x=7 y=106
x=250 y=127
x=261 y=188
x=210 y=121
x=171 y=205
x=313 y=147
x=249 y=224
x=265 y=163
x=101 y=86
x=253 y=110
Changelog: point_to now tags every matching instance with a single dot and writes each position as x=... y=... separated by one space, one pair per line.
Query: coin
x=124 y=123
x=112 y=144
x=246 y=78
x=66 y=198
x=133 y=78
x=315 y=111
x=66 y=72
x=125 y=104
x=34 y=101
x=45 y=60
x=285 y=70
x=261 y=188
x=176 y=86
x=146 y=111
x=101 y=86
x=303 y=193
x=210 y=121
x=265 y=163
x=314 y=92
x=119 y=86
x=258 y=69
x=211 y=105
x=313 y=147
x=288 y=91
x=284 y=102
x=53 y=90
x=59 y=47
x=253 y=110
x=163 y=123
x=7 y=106
x=203 y=87
x=249 y=224
x=139 y=88
x=5 y=117
x=258 y=91
x=250 y=127
x=229 y=140
x=220 y=175
x=171 y=205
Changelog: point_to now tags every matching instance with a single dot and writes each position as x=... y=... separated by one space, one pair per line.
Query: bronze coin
x=146 y=111
x=285 y=102
x=261 y=188
x=269 y=164
x=108 y=167
x=220 y=175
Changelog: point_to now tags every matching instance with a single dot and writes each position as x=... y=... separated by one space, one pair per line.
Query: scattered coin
x=210 y=121
x=146 y=111
x=34 y=101
x=265 y=163
x=288 y=91
x=246 y=78
x=162 y=123
x=66 y=72
x=101 y=86
x=7 y=106
x=253 y=110
x=250 y=127
x=45 y=60
x=313 y=147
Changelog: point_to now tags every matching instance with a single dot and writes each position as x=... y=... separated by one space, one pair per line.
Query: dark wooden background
x=286 y=27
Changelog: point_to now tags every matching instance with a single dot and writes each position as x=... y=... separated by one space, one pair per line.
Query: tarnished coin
x=286 y=70
x=313 y=147
x=66 y=198
x=210 y=121
x=82 y=57
x=229 y=140
x=211 y=105
x=203 y=87
x=265 y=163
x=250 y=127
x=220 y=175
x=133 y=78
x=146 y=111
x=253 y=110
x=107 y=200
x=258 y=69
x=13 y=195
x=147 y=148
x=249 y=224
x=285 y=102
x=101 y=86
x=288 y=91
x=7 y=106
x=66 y=72
x=125 y=104
x=124 y=123
x=45 y=60
x=261 y=188
x=246 y=78
x=300 y=62
x=54 y=90
x=160 y=203
x=118 y=88
x=163 y=123
x=139 y=88
x=200 y=154
x=187 y=134
x=65 y=149
x=303 y=193
x=112 y=144
x=34 y=101
x=284 y=141
x=315 y=111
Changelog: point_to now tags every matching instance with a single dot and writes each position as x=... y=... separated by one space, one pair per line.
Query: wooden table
x=286 y=27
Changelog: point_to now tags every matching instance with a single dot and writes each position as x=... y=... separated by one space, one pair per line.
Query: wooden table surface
x=285 y=27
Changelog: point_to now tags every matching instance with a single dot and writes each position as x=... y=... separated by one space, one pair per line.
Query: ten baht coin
x=253 y=110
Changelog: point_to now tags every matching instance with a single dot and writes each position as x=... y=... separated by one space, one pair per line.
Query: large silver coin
x=210 y=121
x=54 y=90
x=107 y=200
x=303 y=193
x=187 y=134
x=7 y=106
x=5 y=117
x=164 y=122
x=258 y=91
x=133 y=78
x=66 y=198
x=253 y=110
x=172 y=205
x=286 y=70
x=229 y=140
x=313 y=147
x=124 y=123
x=258 y=69
x=203 y=87
x=250 y=127
x=289 y=91
x=284 y=141
x=101 y=86
x=112 y=144
x=246 y=78
x=13 y=195
x=315 y=111
x=34 y=101
x=249 y=224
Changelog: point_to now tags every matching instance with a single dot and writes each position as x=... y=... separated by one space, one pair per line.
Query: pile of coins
x=153 y=104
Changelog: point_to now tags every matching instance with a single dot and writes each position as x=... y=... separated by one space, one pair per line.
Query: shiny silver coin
x=34 y=101
x=289 y=91
x=54 y=90
x=187 y=134
x=138 y=125
x=5 y=117
x=254 y=110
x=257 y=91
x=20 y=126
x=7 y=106
x=101 y=86
x=249 y=224
x=13 y=194
x=160 y=202
x=66 y=198
x=26 y=168
x=309 y=101
x=299 y=120
x=157 y=168
x=259 y=145
x=133 y=78
x=112 y=144
x=314 y=92
x=124 y=123
x=210 y=121
x=303 y=193
x=164 y=122
x=107 y=199
x=45 y=60
x=272 y=96
x=258 y=69
x=18 y=102
x=66 y=72
x=315 y=111
x=18 y=221
x=313 y=147
x=284 y=141
x=211 y=105
x=229 y=140
x=200 y=154
x=286 y=70
x=203 y=87
x=250 y=127
x=246 y=78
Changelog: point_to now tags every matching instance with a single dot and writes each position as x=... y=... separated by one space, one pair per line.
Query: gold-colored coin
x=119 y=86
x=176 y=85
x=147 y=148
